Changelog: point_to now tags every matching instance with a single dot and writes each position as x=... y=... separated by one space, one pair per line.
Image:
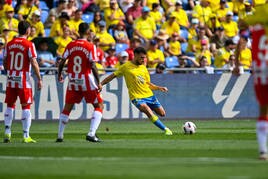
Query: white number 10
x=16 y=61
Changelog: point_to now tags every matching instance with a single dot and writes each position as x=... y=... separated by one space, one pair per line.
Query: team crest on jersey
x=141 y=79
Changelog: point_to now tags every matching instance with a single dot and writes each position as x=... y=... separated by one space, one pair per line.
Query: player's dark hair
x=83 y=28
x=139 y=50
x=23 y=26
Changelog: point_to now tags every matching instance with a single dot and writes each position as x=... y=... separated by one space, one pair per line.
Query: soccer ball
x=189 y=128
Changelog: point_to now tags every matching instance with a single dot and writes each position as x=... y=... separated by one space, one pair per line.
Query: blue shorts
x=152 y=102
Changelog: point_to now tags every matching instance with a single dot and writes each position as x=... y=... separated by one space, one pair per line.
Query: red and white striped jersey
x=260 y=55
x=80 y=54
x=18 y=54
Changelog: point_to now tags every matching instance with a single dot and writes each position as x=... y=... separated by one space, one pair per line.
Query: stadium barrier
x=190 y=96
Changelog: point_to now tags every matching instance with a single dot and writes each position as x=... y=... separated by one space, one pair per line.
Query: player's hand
x=236 y=71
x=163 y=89
x=60 y=78
x=39 y=84
x=99 y=87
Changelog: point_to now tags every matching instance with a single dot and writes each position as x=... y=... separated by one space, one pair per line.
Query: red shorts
x=25 y=95
x=77 y=96
x=261 y=92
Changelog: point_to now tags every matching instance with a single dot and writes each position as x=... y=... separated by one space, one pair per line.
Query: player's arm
x=60 y=68
x=108 y=79
x=155 y=87
x=96 y=75
x=37 y=72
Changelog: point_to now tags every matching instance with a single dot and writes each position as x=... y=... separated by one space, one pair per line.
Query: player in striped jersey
x=83 y=81
x=259 y=31
x=19 y=56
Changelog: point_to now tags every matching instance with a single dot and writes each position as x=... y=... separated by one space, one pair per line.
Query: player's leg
x=96 y=116
x=141 y=104
x=26 y=98
x=26 y=120
x=63 y=120
x=262 y=122
x=11 y=97
x=262 y=131
x=161 y=112
x=9 y=114
x=95 y=122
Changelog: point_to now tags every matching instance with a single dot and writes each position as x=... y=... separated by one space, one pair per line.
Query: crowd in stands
x=176 y=33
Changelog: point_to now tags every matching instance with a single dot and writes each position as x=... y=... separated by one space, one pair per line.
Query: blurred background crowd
x=176 y=33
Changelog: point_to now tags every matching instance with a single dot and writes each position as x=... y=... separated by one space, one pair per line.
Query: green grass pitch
x=135 y=149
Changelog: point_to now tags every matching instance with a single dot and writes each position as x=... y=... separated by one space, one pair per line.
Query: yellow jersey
x=137 y=78
x=175 y=47
x=245 y=58
x=62 y=43
x=117 y=14
x=231 y=28
x=170 y=29
x=222 y=56
x=152 y=55
x=146 y=27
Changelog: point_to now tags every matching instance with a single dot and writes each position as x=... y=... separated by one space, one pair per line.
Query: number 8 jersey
x=18 y=53
x=80 y=54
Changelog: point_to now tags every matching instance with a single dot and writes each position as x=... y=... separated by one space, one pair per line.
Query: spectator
x=63 y=40
x=192 y=31
x=144 y=26
x=222 y=11
x=171 y=26
x=154 y=55
x=62 y=5
x=44 y=57
x=243 y=53
x=120 y=33
x=168 y=5
x=202 y=11
x=71 y=8
x=100 y=53
x=94 y=25
x=134 y=43
x=204 y=51
x=217 y=40
x=174 y=45
x=113 y=15
x=157 y=15
x=162 y=38
x=36 y=22
x=77 y=19
x=33 y=33
x=58 y=27
x=181 y=15
x=223 y=54
x=9 y=21
x=50 y=20
x=230 y=26
x=122 y=58
x=212 y=25
x=106 y=40
x=194 y=44
x=7 y=34
x=3 y=7
x=111 y=59
x=125 y=4
x=26 y=10
x=103 y=4
x=248 y=10
x=160 y=68
x=132 y=14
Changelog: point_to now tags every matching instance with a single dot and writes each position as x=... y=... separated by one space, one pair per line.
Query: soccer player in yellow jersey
x=140 y=88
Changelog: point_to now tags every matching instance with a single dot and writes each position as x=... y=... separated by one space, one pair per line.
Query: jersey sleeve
x=32 y=51
x=66 y=52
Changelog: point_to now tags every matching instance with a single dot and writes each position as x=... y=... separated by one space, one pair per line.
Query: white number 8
x=77 y=64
